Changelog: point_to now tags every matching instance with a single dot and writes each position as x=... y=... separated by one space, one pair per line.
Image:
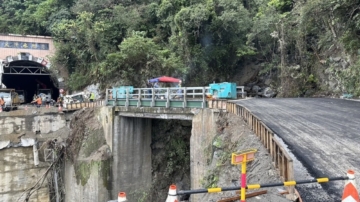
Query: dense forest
x=303 y=46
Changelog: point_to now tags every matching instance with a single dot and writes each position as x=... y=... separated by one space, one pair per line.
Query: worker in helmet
x=92 y=97
x=38 y=101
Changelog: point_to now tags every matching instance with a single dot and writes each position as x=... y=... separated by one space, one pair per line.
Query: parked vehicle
x=22 y=95
x=75 y=98
x=11 y=98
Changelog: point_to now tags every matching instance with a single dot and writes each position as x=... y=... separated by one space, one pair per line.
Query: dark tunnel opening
x=30 y=77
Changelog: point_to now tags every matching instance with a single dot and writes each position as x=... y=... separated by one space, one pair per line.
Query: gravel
x=235 y=135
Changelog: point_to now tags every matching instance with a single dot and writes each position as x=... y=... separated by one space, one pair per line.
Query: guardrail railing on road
x=192 y=97
x=159 y=97
x=280 y=157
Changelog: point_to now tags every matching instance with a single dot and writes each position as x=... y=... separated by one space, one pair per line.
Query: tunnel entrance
x=29 y=76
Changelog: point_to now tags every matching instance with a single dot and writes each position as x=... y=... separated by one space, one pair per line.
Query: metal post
x=203 y=98
x=1 y=73
x=168 y=98
x=152 y=97
x=127 y=97
x=243 y=179
x=107 y=96
x=139 y=98
x=184 y=100
x=56 y=186
x=116 y=93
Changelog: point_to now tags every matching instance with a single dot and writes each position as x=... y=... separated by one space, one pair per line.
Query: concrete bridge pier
x=131 y=169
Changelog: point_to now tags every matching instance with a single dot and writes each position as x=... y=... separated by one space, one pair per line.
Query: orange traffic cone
x=350 y=192
x=0 y=109
x=172 y=196
x=122 y=197
x=60 y=109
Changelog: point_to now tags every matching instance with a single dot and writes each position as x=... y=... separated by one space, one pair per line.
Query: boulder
x=268 y=92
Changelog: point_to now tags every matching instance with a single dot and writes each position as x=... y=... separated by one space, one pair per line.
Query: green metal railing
x=184 y=97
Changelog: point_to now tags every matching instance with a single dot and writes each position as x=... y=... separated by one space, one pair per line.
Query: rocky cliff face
x=170 y=156
x=88 y=166
x=307 y=49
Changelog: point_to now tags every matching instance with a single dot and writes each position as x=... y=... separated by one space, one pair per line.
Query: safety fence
x=177 y=97
x=217 y=104
x=258 y=186
x=280 y=157
x=350 y=192
x=80 y=105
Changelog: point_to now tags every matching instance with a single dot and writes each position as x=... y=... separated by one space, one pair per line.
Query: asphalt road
x=322 y=133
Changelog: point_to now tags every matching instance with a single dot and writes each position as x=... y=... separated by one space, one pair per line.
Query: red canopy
x=165 y=79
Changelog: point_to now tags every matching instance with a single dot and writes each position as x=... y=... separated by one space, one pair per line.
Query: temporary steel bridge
x=175 y=97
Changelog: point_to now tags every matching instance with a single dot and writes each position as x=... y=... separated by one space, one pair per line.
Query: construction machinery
x=11 y=98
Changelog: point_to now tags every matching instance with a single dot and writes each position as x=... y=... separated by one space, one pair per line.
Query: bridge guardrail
x=280 y=157
x=159 y=97
x=163 y=97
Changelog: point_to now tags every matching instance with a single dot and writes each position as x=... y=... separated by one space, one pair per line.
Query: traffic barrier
x=258 y=186
x=350 y=192
x=122 y=197
x=172 y=196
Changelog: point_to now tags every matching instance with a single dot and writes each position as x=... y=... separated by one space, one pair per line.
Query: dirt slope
x=234 y=135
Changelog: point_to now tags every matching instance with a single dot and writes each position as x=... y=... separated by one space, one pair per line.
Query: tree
x=139 y=59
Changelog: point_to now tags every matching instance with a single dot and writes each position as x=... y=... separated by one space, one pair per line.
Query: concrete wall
x=17 y=137
x=131 y=167
x=88 y=166
x=89 y=186
x=106 y=117
x=18 y=173
x=44 y=123
x=203 y=132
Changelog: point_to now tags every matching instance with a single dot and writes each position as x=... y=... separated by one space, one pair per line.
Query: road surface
x=323 y=134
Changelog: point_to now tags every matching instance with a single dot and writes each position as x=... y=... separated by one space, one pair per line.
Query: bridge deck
x=322 y=133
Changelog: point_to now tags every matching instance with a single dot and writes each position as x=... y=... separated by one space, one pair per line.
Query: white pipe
x=36 y=154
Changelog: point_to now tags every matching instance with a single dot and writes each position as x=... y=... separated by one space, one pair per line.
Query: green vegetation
x=84 y=169
x=178 y=157
x=126 y=42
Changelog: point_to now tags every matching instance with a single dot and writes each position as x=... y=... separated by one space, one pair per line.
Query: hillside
x=296 y=47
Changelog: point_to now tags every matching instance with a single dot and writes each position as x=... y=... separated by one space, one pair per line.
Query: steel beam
x=26 y=70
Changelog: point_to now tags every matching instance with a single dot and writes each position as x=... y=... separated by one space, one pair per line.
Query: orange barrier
x=172 y=195
x=122 y=197
x=350 y=192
